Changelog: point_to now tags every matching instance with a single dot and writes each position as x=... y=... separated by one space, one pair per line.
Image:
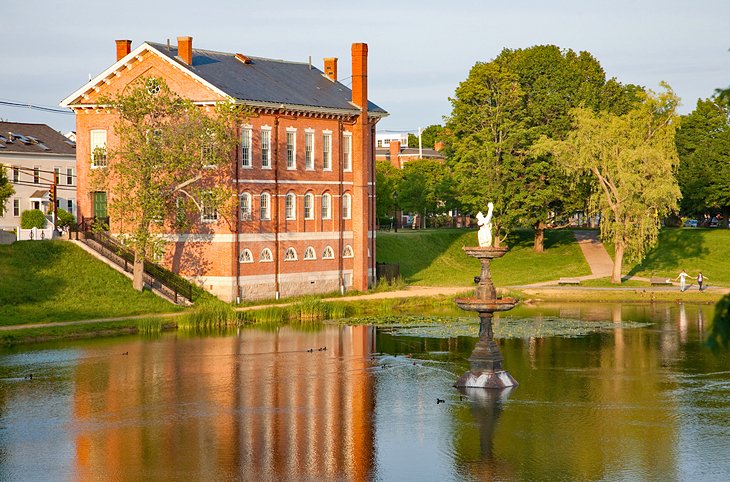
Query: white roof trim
x=69 y=101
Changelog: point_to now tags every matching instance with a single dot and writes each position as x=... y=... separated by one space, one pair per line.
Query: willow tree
x=171 y=164
x=632 y=160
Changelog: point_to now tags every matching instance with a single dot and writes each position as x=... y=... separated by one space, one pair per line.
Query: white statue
x=485 y=227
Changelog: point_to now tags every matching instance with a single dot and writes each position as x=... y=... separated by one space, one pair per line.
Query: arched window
x=246 y=256
x=291 y=206
x=290 y=254
x=266 y=256
x=265 y=206
x=309 y=253
x=309 y=206
x=346 y=205
x=326 y=204
x=347 y=251
x=328 y=253
x=246 y=207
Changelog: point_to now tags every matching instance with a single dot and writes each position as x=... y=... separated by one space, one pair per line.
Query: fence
x=154 y=275
x=388 y=271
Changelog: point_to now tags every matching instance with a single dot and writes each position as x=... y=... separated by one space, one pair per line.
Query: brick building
x=304 y=168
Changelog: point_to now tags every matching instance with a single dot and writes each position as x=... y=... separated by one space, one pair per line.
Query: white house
x=33 y=155
x=383 y=139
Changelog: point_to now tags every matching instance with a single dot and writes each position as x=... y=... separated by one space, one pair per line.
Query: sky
x=419 y=51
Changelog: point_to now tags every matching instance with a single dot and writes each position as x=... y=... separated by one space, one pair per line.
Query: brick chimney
x=123 y=48
x=360 y=76
x=395 y=154
x=330 y=68
x=185 y=49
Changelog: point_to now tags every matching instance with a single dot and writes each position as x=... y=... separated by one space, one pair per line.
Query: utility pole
x=54 y=193
x=420 y=144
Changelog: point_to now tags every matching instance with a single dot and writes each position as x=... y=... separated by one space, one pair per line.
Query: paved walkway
x=595 y=253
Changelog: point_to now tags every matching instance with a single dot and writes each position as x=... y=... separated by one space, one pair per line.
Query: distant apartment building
x=383 y=139
x=305 y=180
x=33 y=155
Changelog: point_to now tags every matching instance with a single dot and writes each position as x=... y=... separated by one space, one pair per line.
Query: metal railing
x=155 y=276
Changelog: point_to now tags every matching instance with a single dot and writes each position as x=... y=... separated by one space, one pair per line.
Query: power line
x=54 y=110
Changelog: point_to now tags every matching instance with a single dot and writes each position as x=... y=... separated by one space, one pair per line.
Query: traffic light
x=52 y=196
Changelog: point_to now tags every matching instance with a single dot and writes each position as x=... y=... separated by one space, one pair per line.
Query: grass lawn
x=57 y=281
x=692 y=249
x=435 y=257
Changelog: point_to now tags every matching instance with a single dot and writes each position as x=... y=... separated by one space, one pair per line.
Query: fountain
x=486 y=360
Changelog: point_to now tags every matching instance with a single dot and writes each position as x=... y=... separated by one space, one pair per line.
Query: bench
x=660 y=282
x=568 y=281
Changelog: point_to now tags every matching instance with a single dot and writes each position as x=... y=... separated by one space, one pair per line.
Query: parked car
x=690 y=223
x=713 y=223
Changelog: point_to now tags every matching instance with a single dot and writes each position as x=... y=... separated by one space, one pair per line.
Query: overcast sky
x=419 y=50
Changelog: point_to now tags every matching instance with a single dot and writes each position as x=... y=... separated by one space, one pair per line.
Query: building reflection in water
x=252 y=406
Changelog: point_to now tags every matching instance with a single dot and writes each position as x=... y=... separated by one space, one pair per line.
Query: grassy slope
x=694 y=250
x=435 y=257
x=57 y=281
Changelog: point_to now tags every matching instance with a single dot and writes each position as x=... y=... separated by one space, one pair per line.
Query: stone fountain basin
x=490 y=306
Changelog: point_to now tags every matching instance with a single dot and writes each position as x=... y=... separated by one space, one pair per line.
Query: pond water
x=632 y=402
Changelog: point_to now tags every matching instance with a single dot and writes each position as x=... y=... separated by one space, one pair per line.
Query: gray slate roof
x=20 y=137
x=267 y=80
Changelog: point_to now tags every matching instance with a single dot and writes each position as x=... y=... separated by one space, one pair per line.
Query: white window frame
x=36 y=174
x=290 y=254
x=326 y=150
x=310 y=253
x=309 y=149
x=265 y=207
x=266 y=147
x=326 y=206
x=206 y=216
x=69 y=176
x=347 y=252
x=245 y=214
x=246 y=256
x=291 y=148
x=328 y=253
x=70 y=206
x=98 y=140
x=346 y=206
x=309 y=206
x=290 y=206
x=246 y=151
x=347 y=151
x=16 y=207
x=266 y=256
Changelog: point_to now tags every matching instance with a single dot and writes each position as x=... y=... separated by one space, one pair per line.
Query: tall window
x=264 y=206
x=347 y=152
x=309 y=206
x=326 y=204
x=16 y=207
x=36 y=175
x=208 y=213
x=98 y=148
x=57 y=174
x=327 y=151
x=346 y=205
x=291 y=206
x=16 y=174
x=309 y=150
x=70 y=206
x=266 y=148
x=291 y=149
x=246 y=147
x=70 y=176
x=246 y=207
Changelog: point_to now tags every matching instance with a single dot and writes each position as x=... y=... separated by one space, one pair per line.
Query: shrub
x=33 y=218
x=64 y=219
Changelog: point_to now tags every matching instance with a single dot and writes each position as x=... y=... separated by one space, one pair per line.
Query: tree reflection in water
x=719 y=336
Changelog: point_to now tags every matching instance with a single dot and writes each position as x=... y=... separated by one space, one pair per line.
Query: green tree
x=425 y=187
x=632 y=159
x=6 y=189
x=429 y=136
x=387 y=179
x=501 y=110
x=33 y=218
x=172 y=164
x=703 y=145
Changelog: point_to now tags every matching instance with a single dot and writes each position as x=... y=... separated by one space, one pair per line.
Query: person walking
x=682 y=280
x=700 y=279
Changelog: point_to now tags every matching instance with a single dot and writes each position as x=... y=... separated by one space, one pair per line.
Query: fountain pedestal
x=486 y=360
